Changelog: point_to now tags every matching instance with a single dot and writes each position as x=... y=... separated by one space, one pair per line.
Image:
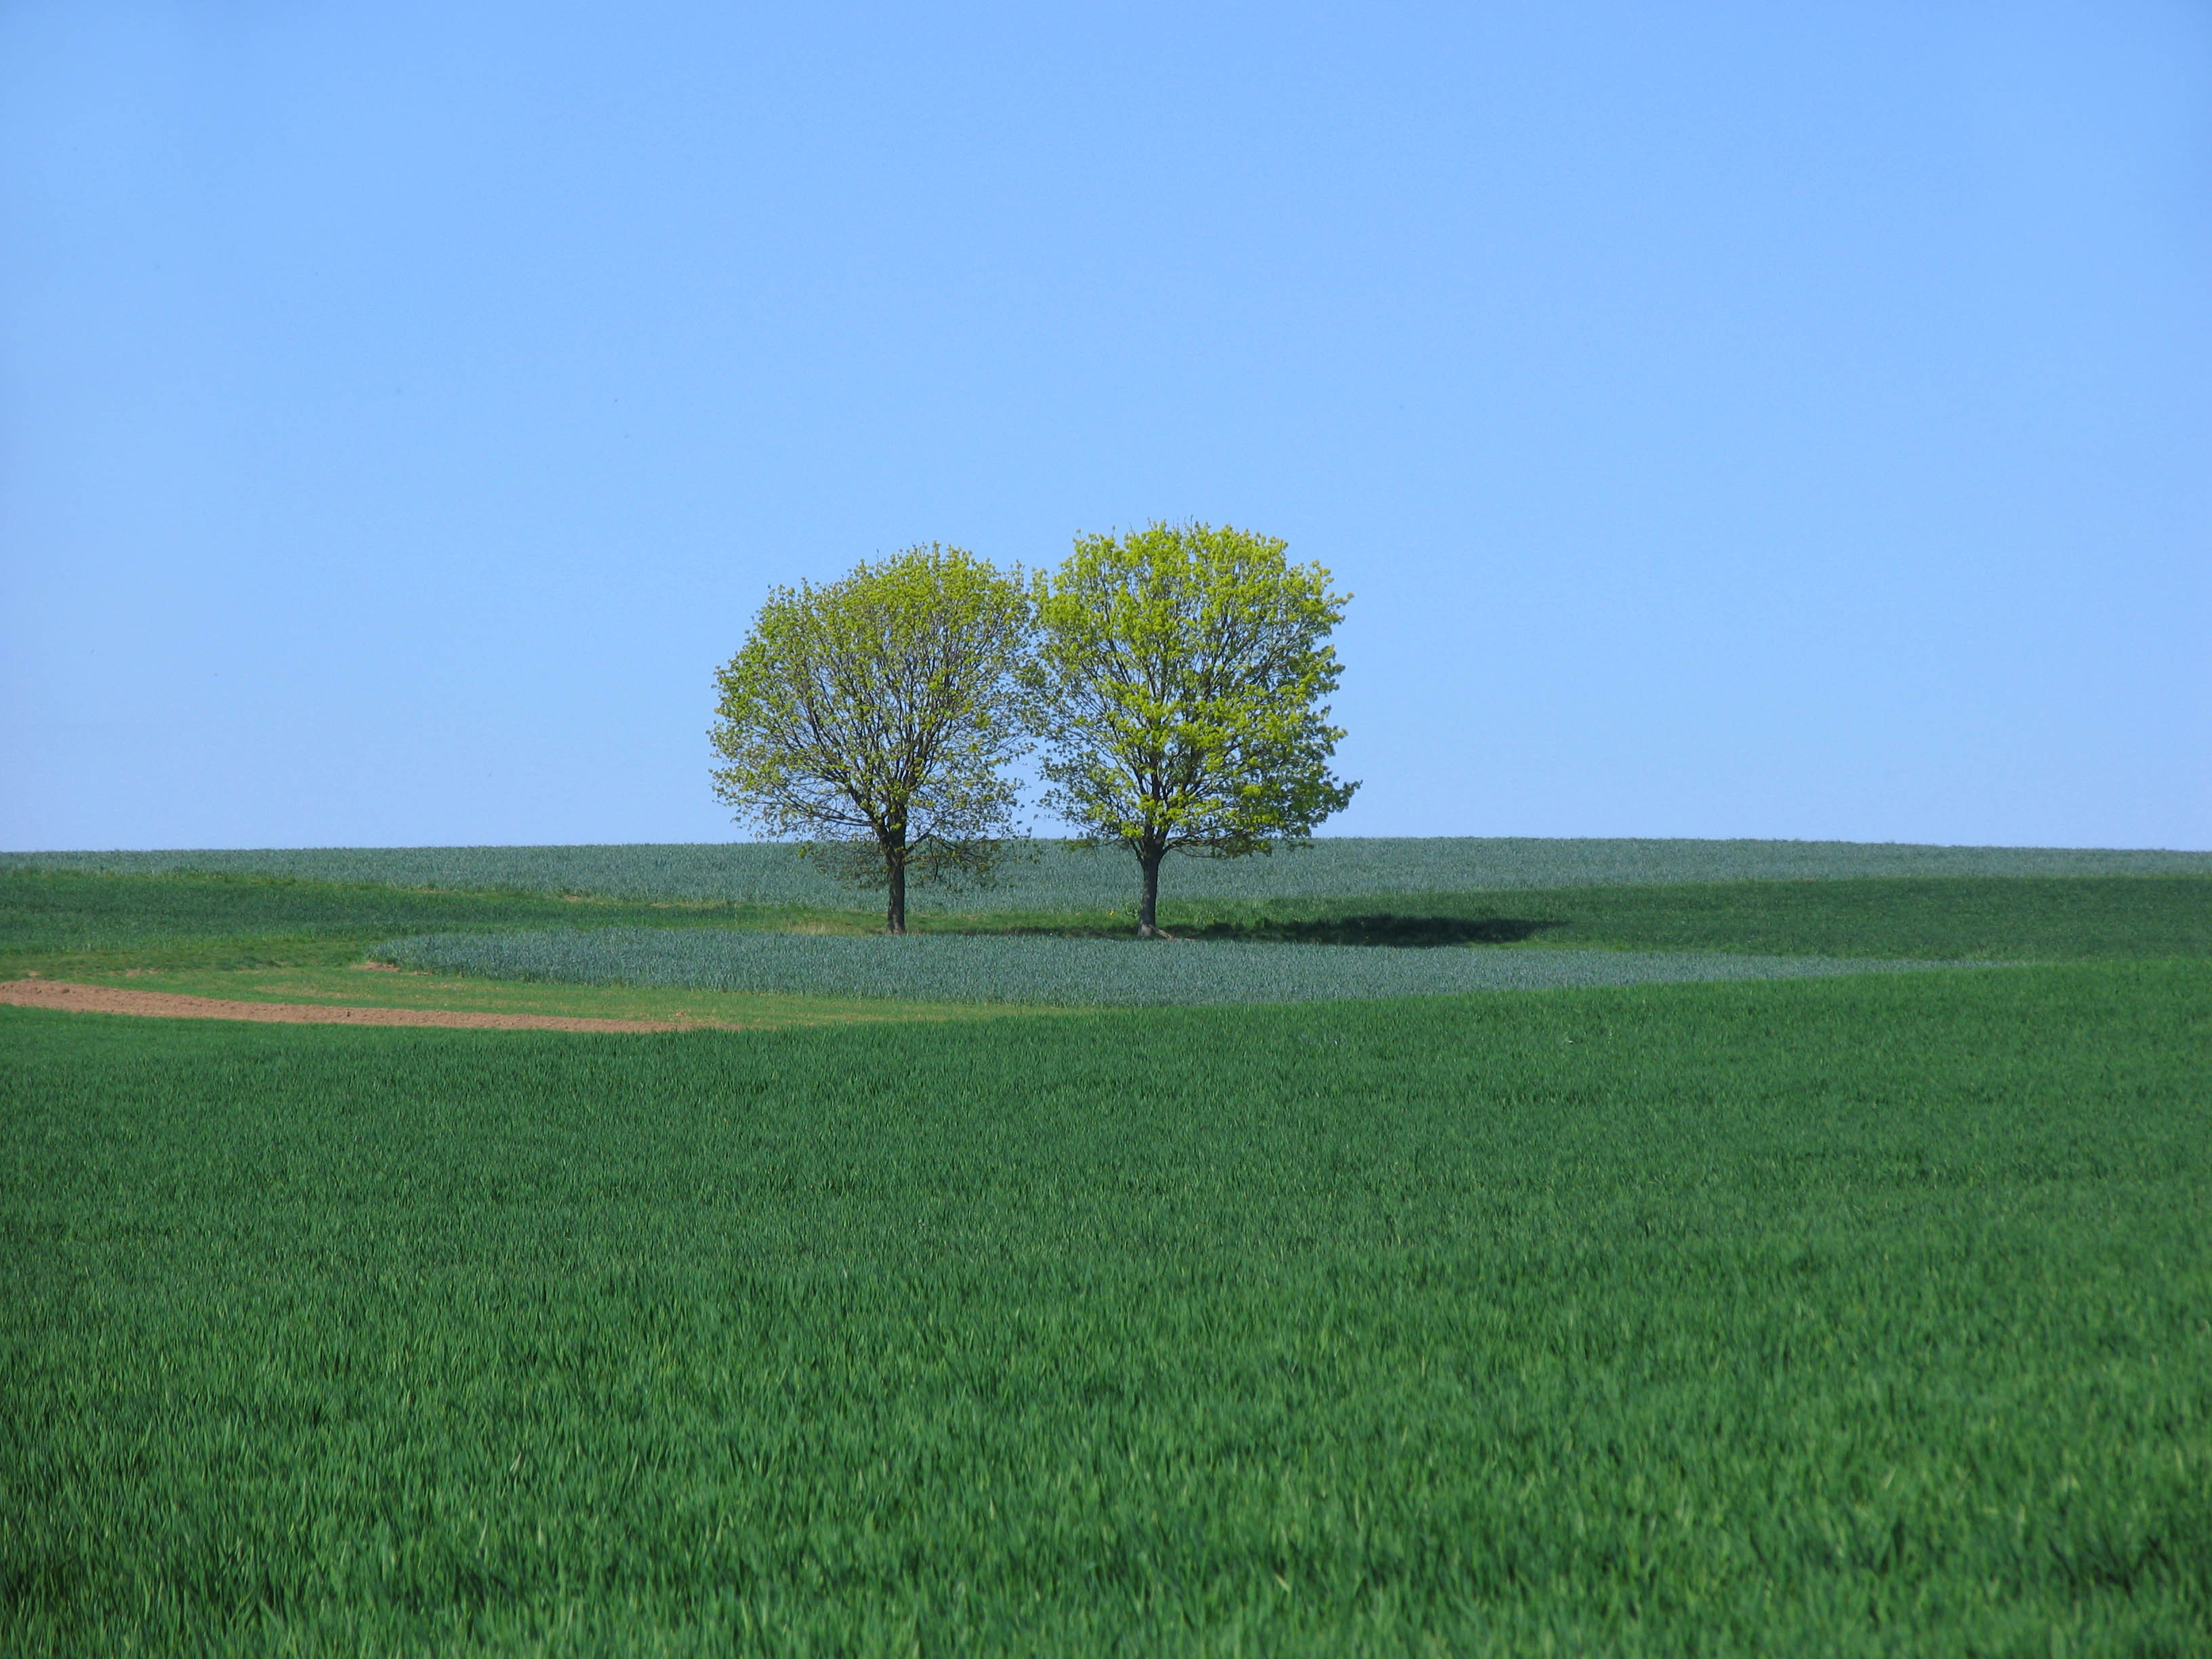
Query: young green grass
x=2016 y=918
x=1060 y=876
x=1071 y=972
x=1849 y=1316
x=59 y=923
x=72 y=925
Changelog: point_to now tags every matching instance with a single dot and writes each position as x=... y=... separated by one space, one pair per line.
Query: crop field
x=1851 y=1316
x=1064 y=877
x=1068 y=971
x=1955 y=918
x=63 y=922
x=143 y=921
x=1619 y=1307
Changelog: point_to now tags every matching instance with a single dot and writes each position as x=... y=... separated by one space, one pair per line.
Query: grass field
x=1061 y=878
x=1971 y=918
x=52 y=921
x=1847 y=1316
x=1077 y=972
x=65 y=923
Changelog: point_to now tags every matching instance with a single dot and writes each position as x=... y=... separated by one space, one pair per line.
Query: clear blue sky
x=1733 y=420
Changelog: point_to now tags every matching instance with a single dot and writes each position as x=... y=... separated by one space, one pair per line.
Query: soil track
x=172 y=1005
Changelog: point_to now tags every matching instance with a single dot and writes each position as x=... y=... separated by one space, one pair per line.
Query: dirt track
x=171 y=1004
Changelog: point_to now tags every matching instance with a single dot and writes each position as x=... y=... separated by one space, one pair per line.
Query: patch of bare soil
x=172 y=1005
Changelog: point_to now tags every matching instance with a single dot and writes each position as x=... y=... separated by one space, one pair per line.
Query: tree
x=875 y=715
x=1177 y=686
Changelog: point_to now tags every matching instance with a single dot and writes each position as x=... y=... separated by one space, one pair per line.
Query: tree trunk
x=895 y=867
x=1148 y=907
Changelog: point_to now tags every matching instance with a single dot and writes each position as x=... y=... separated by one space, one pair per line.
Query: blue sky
x=1732 y=420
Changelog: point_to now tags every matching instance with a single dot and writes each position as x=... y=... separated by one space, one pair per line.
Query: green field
x=1059 y=877
x=1848 y=1315
x=55 y=922
x=58 y=922
x=1955 y=918
x=1063 y=972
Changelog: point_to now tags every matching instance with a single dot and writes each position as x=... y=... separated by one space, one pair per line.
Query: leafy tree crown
x=876 y=715
x=1178 y=686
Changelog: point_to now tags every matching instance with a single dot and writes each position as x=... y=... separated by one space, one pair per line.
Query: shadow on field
x=1401 y=931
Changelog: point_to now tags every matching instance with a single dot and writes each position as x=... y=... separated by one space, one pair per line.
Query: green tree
x=875 y=717
x=1177 y=686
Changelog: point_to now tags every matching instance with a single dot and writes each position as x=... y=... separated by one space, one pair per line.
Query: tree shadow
x=1402 y=932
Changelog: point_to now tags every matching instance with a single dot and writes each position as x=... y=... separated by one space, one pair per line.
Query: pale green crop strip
x=1061 y=877
x=1065 y=971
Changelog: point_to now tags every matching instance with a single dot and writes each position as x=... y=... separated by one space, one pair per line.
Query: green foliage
x=1855 y=1316
x=1178 y=685
x=1078 y=972
x=1068 y=876
x=875 y=716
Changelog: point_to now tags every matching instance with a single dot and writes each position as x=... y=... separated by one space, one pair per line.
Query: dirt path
x=172 y=1005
